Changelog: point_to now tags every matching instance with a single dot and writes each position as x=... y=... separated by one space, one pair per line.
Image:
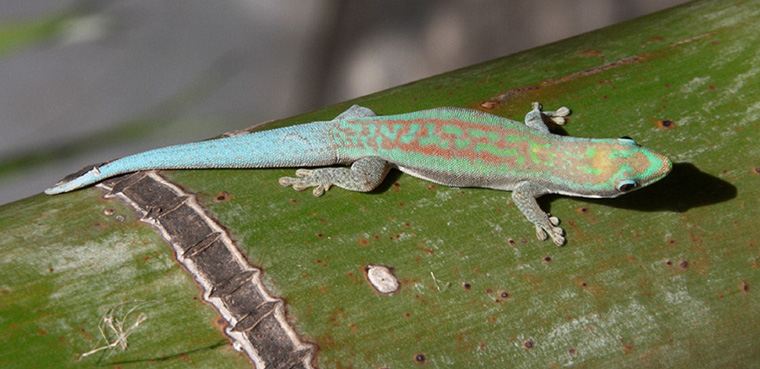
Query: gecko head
x=619 y=166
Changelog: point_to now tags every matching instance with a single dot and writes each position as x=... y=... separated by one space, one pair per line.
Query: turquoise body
x=455 y=147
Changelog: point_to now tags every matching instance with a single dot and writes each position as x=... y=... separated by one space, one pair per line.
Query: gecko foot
x=547 y=230
x=307 y=178
x=558 y=116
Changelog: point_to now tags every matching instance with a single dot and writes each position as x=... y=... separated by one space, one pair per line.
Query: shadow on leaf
x=686 y=187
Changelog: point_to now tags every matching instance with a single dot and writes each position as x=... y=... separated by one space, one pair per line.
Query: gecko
x=455 y=147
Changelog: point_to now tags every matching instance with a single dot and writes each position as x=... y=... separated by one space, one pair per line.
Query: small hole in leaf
x=666 y=124
x=419 y=358
x=528 y=344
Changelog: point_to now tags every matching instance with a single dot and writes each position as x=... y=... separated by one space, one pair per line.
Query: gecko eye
x=628 y=139
x=626 y=186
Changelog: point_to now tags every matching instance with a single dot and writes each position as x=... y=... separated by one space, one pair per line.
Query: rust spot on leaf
x=666 y=124
x=420 y=358
x=504 y=295
x=627 y=348
x=590 y=52
x=528 y=344
x=222 y=196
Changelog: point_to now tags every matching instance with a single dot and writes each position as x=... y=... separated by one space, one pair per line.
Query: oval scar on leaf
x=381 y=278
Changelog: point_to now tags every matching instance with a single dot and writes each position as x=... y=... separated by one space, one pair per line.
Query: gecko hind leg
x=364 y=175
x=535 y=118
x=524 y=196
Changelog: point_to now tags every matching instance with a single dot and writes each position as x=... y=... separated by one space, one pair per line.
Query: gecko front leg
x=524 y=197
x=535 y=118
x=364 y=175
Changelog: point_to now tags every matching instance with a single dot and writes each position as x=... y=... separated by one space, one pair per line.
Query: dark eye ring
x=628 y=185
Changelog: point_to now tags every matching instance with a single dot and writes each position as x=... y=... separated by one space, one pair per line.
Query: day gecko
x=450 y=146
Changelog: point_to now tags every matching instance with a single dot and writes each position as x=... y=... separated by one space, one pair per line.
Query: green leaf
x=662 y=277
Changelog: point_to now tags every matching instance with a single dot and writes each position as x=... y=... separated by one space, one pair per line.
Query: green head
x=612 y=167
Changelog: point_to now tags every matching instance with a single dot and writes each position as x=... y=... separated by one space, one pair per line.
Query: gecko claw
x=554 y=220
x=558 y=116
x=556 y=233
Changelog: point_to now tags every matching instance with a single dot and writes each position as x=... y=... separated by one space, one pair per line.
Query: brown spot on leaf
x=589 y=52
x=756 y=170
x=419 y=358
x=745 y=287
x=222 y=196
x=683 y=264
x=363 y=241
x=504 y=295
x=528 y=344
x=583 y=210
x=572 y=351
x=627 y=348
x=466 y=286
x=666 y=124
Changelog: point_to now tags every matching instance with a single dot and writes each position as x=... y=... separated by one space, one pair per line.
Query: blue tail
x=303 y=145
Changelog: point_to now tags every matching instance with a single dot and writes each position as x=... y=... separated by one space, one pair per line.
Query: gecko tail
x=86 y=176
